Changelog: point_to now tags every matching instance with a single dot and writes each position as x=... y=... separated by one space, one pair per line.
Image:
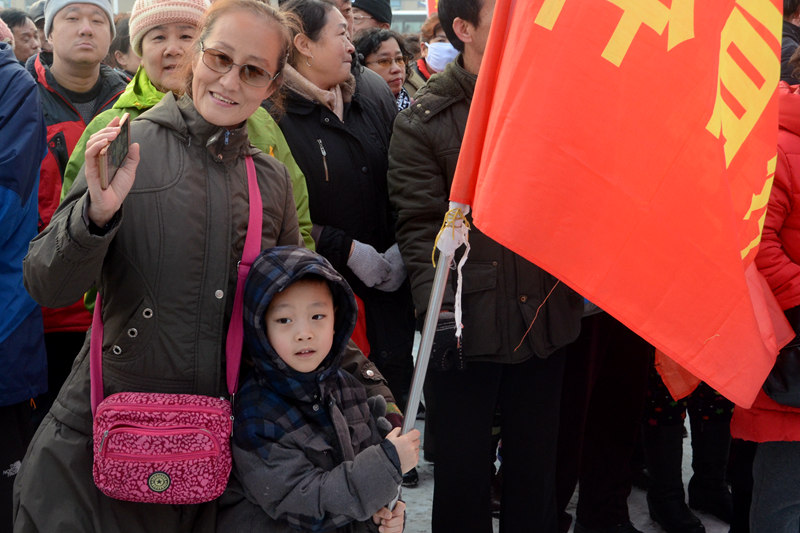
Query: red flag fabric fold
x=628 y=148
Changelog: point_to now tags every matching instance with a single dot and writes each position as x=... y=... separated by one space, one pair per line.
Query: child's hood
x=272 y=272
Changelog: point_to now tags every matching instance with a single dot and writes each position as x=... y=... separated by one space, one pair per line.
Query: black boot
x=708 y=488
x=663 y=448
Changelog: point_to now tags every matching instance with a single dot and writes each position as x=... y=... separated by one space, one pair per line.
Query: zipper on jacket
x=324 y=158
x=227 y=137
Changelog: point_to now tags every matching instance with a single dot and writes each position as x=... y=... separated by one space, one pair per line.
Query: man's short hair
x=468 y=10
x=13 y=17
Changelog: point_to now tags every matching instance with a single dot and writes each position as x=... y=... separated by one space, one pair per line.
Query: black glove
x=446 y=351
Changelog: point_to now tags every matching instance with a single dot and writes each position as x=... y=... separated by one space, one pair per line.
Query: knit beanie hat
x=36 y=11
x=52 y=7
x=147 y=14
x=5 y=33
x=379 y=9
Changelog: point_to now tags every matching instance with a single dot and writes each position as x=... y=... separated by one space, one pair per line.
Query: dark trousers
x=740 y=473
x=18 y=428
x=776 y=497
x=62 y=349
x=528 y=395
x=602 y=401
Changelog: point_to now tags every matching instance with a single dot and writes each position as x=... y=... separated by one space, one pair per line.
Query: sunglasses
x=222 y=63
x=386 y=62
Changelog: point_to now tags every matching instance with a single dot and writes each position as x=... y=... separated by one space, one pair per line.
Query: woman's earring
x=308 y=62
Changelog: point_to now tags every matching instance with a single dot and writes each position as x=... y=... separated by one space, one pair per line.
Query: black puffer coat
x=345 y=164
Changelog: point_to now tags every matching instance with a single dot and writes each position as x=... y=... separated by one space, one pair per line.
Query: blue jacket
x=23 y=144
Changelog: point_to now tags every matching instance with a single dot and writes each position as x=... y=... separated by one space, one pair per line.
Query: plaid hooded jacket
x=307 y=452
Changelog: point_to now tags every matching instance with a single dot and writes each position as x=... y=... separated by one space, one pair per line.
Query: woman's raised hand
x=103 y=204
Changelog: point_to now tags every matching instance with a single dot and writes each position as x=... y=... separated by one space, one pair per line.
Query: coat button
x=132 y=332
x=523 y=298
x=326 y=120
x=116 y=350
x=364 y=170
x=219 y=157
x=370 y=373
x=315 y=407
x=147 y=312
x=218 y=294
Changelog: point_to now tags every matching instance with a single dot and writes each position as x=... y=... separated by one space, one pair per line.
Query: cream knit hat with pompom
x=147 y=14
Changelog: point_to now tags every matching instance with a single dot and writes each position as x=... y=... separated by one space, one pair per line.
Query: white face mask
x=439 y=55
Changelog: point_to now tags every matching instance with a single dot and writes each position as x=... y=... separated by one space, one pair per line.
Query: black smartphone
x=113 y=155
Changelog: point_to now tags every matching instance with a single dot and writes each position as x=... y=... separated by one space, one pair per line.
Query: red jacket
x=64 y=127
x=778 y=260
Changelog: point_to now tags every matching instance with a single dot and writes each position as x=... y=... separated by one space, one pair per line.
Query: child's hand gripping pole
x=454 y=233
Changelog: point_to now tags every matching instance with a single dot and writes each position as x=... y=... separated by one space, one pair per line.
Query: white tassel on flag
x=454 y=233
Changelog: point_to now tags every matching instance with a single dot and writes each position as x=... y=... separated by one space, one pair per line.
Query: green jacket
x=140 y=95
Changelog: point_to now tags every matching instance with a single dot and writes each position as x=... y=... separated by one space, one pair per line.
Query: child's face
x=300 y=324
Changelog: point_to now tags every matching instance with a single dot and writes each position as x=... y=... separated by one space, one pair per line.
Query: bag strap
x=252 y=247
x=234 y=341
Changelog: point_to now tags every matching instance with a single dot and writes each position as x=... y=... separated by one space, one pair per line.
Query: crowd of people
x=352 y=133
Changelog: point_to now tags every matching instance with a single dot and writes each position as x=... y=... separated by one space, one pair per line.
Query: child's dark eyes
x=283 y=320
x=318 y=317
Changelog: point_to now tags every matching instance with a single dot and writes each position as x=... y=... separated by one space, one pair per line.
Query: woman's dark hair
x=790 y=8
x=794 y=62
x=312 y=15
x=121 y=42
x=284 y=25
x=411 y=42
x=370 y=40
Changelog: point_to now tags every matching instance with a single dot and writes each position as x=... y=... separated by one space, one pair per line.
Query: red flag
x=628 y=147
x=433 y=5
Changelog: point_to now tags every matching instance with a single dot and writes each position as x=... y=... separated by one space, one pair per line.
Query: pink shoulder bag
x=170 y=448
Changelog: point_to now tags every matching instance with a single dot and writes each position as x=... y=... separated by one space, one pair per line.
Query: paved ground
x=418 y=501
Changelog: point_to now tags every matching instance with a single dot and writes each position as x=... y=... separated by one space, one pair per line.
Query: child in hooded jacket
x=308 y=453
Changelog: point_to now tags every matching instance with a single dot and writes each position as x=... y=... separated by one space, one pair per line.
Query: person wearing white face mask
x=436 y=53
x=439 y=55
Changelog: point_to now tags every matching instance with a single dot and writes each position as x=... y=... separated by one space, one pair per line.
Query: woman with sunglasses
x=384 y=52
x=161 y=243
x=341 y=144
x=161 y=33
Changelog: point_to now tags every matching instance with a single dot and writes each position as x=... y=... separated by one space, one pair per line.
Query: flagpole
x=424 y=351
x=426 y=343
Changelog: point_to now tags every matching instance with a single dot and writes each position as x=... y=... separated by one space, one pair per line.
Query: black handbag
x=783 y=382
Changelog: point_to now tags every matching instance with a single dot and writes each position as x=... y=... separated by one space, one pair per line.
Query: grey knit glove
x=370 y=266
x=398 y=273
x=377 y=407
